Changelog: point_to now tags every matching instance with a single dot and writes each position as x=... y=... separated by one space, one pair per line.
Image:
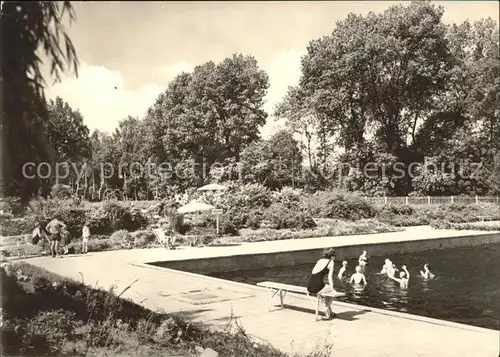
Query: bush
x=288 y=197
x=18 y=226
x=226 y=226
x=60 y=191
x=121 y=239
x=73 y=218
x=255 y=218
x=340 y=206
x=111 y=216
x=121 y=217
x=11 y=205
x=282 y=217
x=46 y=333
x=404 y=210
x=143 y=238
x=460 y=213
x=239 y=201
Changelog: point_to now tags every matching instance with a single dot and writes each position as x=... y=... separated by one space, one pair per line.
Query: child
x=85 y=237
x=65 y=238
x=342 y=270
x=358 y=277
x=404 y=278
x=426 y=274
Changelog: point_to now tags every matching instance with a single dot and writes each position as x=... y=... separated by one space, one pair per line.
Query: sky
x=130 y=51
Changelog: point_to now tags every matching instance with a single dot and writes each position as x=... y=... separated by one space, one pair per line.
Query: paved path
x=357 y=331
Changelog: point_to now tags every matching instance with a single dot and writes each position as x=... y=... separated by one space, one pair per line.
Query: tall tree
x=381 y=71
x=474 y=86
x=210 y=115
x=276 y=162
x=300 y=119
x=29 y=27
x=66 y=132
x=131 y=137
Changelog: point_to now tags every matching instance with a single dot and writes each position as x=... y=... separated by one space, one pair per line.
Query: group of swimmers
x=389 y=269
x=325 y=267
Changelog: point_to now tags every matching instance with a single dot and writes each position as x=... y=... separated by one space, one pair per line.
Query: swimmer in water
x=427 y=274
x=394 y=269
x=388 y=268
x=404 y=278
x=342 y=270
x=363 y=259
x=358 y=277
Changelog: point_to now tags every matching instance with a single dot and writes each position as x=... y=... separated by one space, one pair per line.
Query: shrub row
x=246 y=206
x=337 y=228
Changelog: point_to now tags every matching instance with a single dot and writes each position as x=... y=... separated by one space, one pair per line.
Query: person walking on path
x=85 y=237
x=54 y=228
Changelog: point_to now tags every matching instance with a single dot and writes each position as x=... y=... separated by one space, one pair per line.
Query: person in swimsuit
x=386 y=267
x=404 y=278
x=316 y=284
x=342 y=270
x=363 y=259
x=426 y=274
x=54 y=228
x=358 y=277
x=389 y=268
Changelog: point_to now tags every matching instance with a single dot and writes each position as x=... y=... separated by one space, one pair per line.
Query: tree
x=27 y=27
x=276 y=162
x=66 y=132
x=300 y=118
x=104 y=164
x=209 y=115
x=287 y=159
x=474 y=86
x=131 y=137
x=379 y=71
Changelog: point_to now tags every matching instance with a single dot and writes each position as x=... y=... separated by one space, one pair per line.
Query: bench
x=17 y=243
x=282 y=289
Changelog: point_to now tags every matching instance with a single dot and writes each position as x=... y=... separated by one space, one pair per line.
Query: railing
x=432 y=200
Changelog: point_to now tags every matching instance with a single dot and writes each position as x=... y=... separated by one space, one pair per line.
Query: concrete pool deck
x=357 y=330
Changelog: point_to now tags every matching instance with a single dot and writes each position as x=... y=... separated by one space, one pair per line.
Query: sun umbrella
x=195 y=206
x=212 y=187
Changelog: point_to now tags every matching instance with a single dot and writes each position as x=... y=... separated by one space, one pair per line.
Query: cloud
x=169 y=72
x=101 y=95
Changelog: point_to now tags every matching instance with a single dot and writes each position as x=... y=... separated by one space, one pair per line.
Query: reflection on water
x=466 y=288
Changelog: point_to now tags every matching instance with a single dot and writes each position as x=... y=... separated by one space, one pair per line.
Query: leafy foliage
x=26 y=28
x=339 y=205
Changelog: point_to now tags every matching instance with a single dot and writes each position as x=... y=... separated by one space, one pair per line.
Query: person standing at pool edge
x=316 y=282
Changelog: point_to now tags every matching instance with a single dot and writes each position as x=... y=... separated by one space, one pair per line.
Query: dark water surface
x=466 y=288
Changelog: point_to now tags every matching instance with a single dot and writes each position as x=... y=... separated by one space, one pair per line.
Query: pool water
x=466 y=288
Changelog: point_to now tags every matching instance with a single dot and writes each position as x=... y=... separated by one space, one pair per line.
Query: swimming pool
x=466 y=289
